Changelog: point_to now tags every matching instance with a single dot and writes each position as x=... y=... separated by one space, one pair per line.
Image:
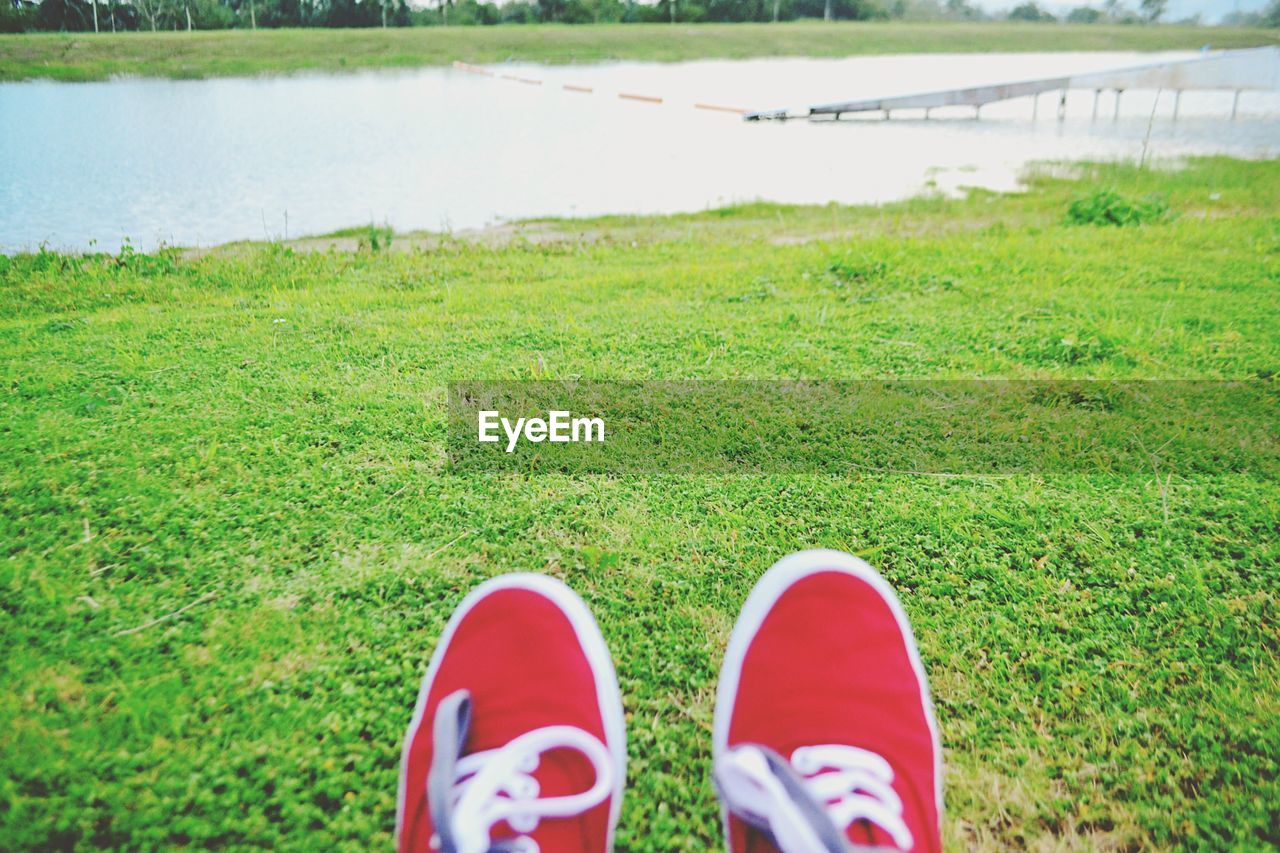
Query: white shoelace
x=847 y=783
x=497 y=785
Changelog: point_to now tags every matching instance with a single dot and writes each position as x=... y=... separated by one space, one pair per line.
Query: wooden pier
x=1229 y=70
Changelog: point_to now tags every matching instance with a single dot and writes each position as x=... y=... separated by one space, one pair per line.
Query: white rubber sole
x=589 y=637
x=780 y=577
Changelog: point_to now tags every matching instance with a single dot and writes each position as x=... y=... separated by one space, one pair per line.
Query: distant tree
x=577 y=12
x=1152 y=10
x=1112 y=8
x=550 y=10
x=1084 y=15
x=735 y=10
x=841 y=10
x=276 y=13
x=206 y=14
x=17 y=17
x=962 y=9
x=62 y=16
x=1271 y=17
x=151 y=11
x=352 y=13
x=1118 y=13
x=460 y=13
x=1242 y=19
x=519 y=12
x=1030 y=12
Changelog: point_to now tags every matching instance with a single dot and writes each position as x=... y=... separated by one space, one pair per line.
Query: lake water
x=197 y=163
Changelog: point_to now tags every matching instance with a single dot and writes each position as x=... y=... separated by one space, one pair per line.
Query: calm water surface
x=205 y=162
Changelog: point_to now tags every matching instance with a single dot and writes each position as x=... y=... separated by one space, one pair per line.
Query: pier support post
x=1235 y=104
x=1177 y=100
x=1097 y=93
x=1119 y=92
x=977 y=111
x=1035 y=106
x=1062 y=105
x=927 y=110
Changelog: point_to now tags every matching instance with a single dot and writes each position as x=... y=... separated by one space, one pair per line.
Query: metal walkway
x=1229 y=70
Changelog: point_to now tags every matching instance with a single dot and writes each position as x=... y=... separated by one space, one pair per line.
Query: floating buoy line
x=632 y=97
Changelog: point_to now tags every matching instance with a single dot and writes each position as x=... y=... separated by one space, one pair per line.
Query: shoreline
x=86 y=57
x=930 y=211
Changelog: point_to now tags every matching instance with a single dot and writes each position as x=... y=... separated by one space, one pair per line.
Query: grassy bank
x=230 y=539
x=238 y=52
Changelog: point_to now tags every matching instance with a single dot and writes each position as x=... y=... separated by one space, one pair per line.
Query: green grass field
x=87 y=56
x=230 y=542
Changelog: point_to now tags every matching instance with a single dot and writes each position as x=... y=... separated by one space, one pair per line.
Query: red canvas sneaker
x=824 y=734
x=517 y=739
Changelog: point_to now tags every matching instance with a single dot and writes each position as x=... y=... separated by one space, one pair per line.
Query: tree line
x=154 y=15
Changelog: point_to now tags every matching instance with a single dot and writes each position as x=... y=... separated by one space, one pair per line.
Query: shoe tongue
x=449 y=737
x=814 y=812
x=795 y=823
